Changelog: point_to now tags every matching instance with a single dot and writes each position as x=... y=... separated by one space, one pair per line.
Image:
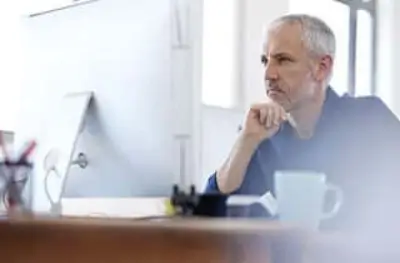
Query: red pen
x=27 y=151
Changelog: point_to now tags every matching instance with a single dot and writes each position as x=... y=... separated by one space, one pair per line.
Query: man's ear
x=324 y=68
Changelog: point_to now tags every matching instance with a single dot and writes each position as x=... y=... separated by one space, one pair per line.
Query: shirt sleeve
x=212 y=185
x=258 y=179
x=259 y=174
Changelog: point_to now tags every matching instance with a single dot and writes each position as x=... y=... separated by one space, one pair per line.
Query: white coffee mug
x=301 y=195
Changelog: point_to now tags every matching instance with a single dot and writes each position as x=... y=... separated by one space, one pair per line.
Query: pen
x=26 y=151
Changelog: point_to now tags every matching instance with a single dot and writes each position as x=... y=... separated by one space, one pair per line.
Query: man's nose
x=270 y=72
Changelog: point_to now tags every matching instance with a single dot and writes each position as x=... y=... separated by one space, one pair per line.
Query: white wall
x=388 y=55
x=257 y=13
x=219 y=129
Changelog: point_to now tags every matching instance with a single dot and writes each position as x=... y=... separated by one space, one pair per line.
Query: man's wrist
x=249 y=140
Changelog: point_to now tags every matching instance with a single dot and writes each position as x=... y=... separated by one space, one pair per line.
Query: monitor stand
x=58 y=146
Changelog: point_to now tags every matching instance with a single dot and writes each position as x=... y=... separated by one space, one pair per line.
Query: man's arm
x=382 y=166
x=261 y=123
x=385 y=137
x=257 y=177
x=231 y=174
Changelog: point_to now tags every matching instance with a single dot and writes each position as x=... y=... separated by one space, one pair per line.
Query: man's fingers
x=273 y=117
x=283 y=114
x=270 y=114
x=263 y=116
x=277 y=117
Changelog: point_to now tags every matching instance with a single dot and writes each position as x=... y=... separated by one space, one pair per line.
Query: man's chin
x=279 y=100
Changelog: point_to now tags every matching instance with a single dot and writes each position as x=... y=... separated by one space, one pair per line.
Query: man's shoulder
x=362 y=102
x=369 y=108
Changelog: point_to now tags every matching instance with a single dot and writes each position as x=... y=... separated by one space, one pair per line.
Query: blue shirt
x=356 y=143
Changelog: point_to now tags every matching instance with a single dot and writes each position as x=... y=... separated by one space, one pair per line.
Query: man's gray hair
x=317 y=36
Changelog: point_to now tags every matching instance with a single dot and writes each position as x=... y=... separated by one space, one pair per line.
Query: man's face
x=292 y=76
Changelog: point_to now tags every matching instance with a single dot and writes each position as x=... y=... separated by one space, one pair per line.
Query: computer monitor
x=121 y=51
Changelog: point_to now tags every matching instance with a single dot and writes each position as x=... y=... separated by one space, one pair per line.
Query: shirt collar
x=330 y=106
x=331 y=100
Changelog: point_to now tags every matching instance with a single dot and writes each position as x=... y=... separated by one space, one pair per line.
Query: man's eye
x=284 y=59
x=264 y=60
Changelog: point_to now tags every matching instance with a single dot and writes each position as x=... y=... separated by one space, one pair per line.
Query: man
x=304 y=125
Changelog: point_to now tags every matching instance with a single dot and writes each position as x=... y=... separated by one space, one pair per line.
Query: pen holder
x=13 y=179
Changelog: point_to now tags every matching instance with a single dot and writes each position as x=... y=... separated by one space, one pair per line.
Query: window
x=336 y=15
x=364 y=70
x=220 y=53
x=353 y=22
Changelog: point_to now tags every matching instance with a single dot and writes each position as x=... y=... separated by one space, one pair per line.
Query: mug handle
x=339 y=201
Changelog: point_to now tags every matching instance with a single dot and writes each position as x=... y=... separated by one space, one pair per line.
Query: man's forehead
x=283 y=38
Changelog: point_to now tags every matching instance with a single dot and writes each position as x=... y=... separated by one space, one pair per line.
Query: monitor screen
x=121 y=51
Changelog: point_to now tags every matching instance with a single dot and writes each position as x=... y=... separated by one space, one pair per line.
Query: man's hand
x=263 y=120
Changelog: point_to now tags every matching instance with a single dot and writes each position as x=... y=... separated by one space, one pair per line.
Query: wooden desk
x=82 y=240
